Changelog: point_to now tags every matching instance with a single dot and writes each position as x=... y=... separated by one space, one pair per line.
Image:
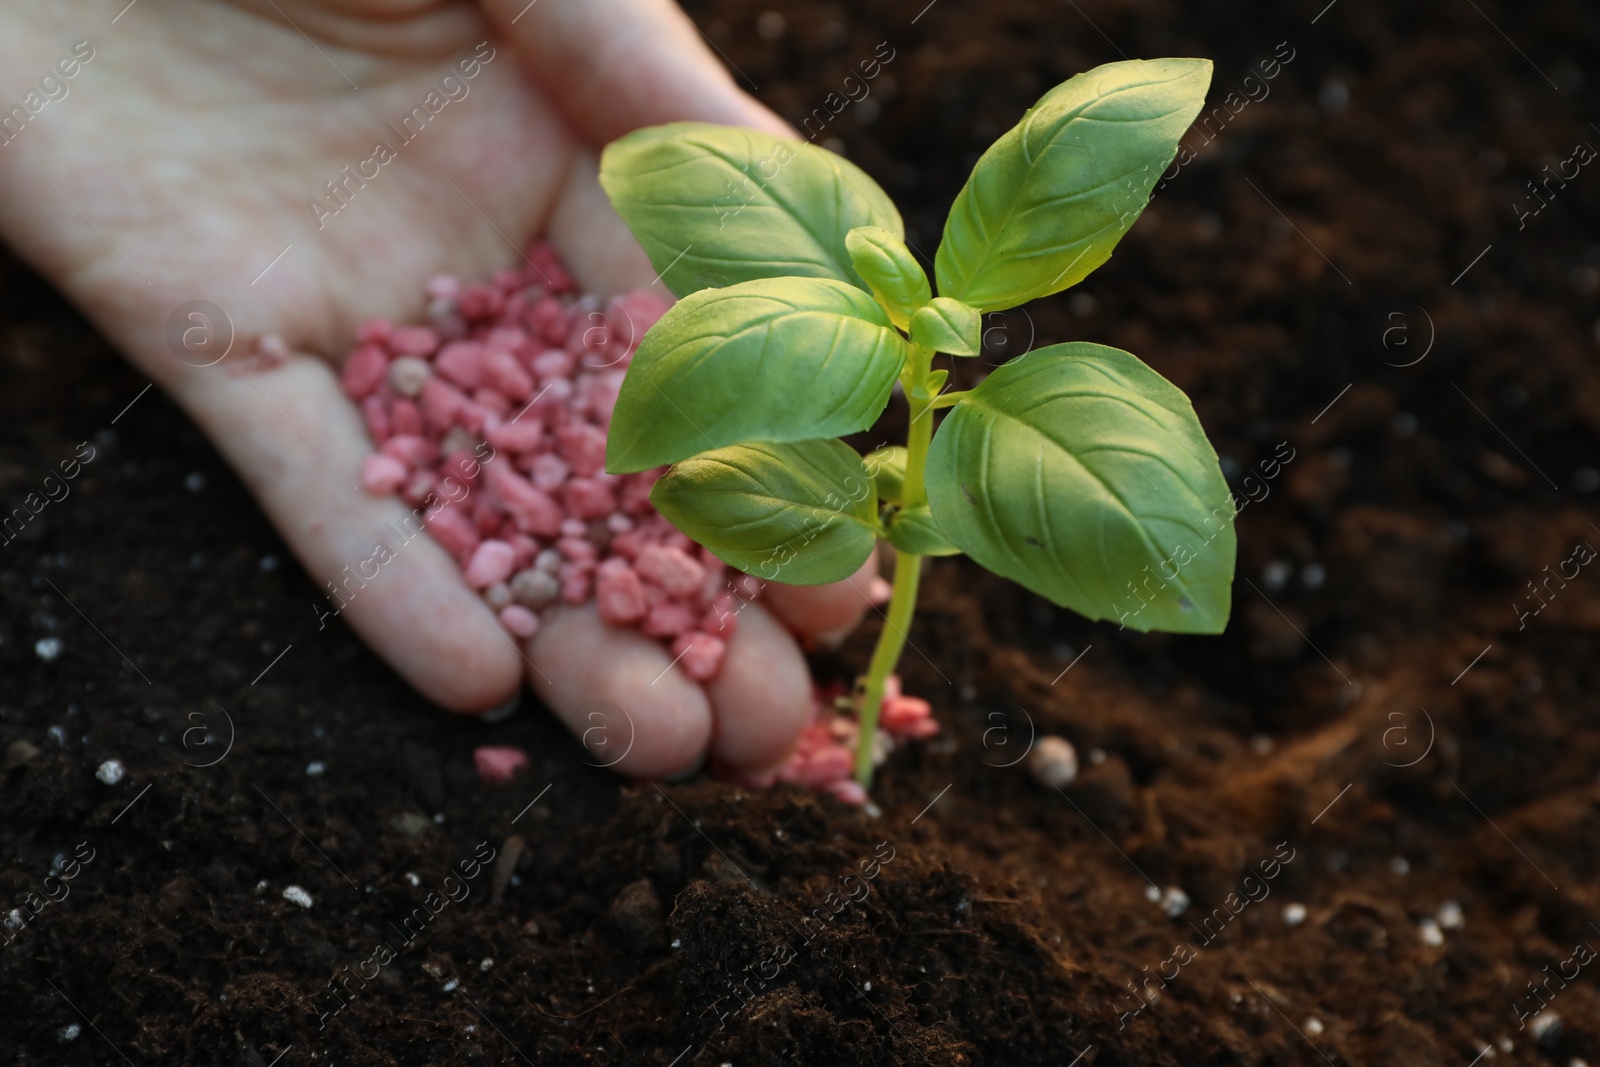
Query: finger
x=619 y=692
x=595 y=244
x=298 y=444
x=760 y=699
x=824 y=613
x=616 y=65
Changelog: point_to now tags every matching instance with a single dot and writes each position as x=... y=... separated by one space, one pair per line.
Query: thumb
x=613 y=66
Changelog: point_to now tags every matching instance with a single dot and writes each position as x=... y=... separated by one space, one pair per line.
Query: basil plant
x=1075 y=470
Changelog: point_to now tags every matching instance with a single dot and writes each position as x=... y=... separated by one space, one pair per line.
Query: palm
x=277 y=122
x=180 y=167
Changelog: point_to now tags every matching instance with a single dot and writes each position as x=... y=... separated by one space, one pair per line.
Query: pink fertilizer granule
x=491 y=423
x=824 y=757
x=498 y=763
x=492 y=420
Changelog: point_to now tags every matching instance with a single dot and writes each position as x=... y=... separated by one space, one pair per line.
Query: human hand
x=181 y=162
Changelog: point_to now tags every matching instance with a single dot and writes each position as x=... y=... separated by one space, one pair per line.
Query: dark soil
x=1375 y=732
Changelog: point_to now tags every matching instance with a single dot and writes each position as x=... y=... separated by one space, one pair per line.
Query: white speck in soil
x=1506 y=1045
x=194 y=482
x=1334 y=96
x=1450 y=915
x=1053 y=762
x=47 y=648
x=866 y=986
x=486 y=964
x=261 y=886
x=315 y=768
x=1275 y=575
x=295 y=895
x=1313 y=1027
x=413 y=879
x=451 y=986
x=58 y=734
x=1152 y=894
x=439 y=818
x=1431 y=934
x=268 y=563
x=110 y=772
x=1174 y=901
x=1294 y=914
x=1545 y=1027
x=69 y=1032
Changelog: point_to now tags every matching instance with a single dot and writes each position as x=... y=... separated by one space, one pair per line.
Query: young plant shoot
x=1074 y=470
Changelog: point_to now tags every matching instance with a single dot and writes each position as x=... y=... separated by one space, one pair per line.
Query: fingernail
x=831 y=639
x=688 y=772
x=503 y=711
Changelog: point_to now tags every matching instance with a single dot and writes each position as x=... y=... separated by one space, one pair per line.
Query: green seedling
x=1075 y=470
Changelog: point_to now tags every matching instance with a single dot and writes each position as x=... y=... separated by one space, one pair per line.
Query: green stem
x=907 y=567
x=920 y=432
x=891 y=642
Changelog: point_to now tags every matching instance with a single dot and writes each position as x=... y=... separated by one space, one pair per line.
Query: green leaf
x=717 y=205
x=803 y=513
x=888 y=469
x=947 y=325
x=1084 y=475
x=780 y=359
x=1050 y=199
x=890 y=271
x=914 y=530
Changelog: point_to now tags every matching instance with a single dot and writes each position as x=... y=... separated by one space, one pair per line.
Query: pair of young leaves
x=1074 y=470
